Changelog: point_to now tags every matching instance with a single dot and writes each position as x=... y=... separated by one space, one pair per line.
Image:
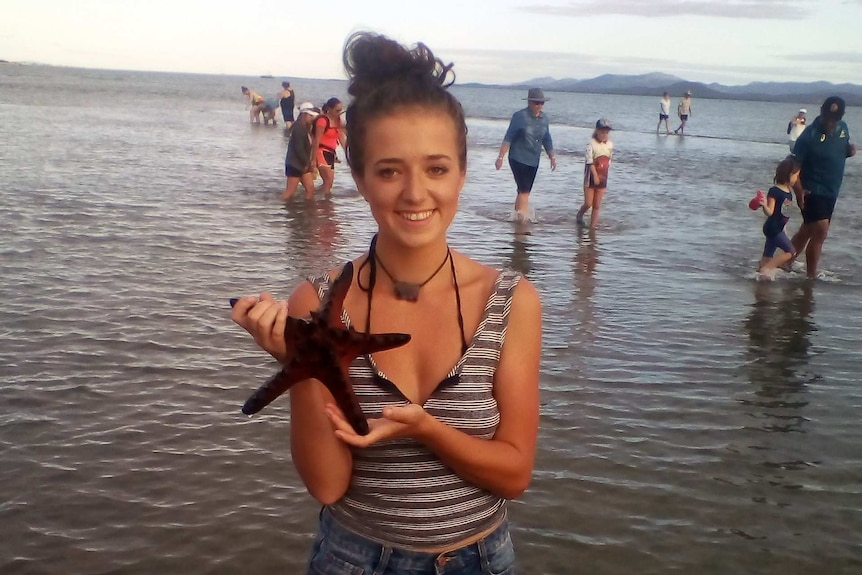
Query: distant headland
x=655 y=83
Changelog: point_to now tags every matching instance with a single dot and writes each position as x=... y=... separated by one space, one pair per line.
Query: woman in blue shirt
x=529 y=132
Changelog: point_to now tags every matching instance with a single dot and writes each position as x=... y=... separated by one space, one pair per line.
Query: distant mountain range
x=654 y=84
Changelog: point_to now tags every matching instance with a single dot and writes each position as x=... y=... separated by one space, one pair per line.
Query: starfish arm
x=273 y=387
x=374 y=342
x=331 y=308
x=337 y=380
x=323 y=348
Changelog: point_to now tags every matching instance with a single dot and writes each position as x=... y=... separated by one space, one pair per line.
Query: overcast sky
x=492 y=41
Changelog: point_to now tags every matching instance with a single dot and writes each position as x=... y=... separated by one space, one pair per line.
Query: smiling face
x=412 y=176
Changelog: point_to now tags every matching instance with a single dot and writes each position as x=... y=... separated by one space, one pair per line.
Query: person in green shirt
x=821 y=151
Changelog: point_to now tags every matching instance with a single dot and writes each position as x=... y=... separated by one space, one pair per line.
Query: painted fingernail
x=233 y=301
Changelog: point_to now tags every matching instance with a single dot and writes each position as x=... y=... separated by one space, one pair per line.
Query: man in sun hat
x=796 y=126
x=297 y=162
x=821 y=150
x=529 y=132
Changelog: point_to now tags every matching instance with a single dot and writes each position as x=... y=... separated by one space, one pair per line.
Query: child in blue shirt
x=779 y=196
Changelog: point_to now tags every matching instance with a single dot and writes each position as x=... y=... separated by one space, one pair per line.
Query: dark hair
x=385 y=77
x=785 y=168
x=832 y=108
x=330 y=104
x=285 y=84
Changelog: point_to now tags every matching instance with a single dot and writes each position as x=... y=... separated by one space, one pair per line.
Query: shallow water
x=694 y=419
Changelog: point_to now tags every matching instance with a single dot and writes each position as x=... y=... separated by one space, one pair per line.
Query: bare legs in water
x=592 y=199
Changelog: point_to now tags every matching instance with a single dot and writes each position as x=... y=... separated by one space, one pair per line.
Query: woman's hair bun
x=372 y=59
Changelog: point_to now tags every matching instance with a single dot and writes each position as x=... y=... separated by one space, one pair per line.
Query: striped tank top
x=400 y=493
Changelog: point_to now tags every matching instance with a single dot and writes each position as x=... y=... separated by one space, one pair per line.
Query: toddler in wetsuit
x=779 y=195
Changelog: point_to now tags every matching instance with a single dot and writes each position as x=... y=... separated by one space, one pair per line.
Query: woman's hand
x=264 y=318
x=499 y=163
x=402 y=421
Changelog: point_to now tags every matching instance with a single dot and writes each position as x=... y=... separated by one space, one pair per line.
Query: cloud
x=848 y=57
x=739 y=9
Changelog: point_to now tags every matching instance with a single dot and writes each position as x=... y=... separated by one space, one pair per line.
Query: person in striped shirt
x=453 y=414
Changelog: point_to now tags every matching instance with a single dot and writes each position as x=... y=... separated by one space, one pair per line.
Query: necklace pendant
x=407 y=291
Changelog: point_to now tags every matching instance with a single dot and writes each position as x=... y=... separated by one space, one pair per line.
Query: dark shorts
x=663 y=117
x=780 y=240
x=328 y=157
x=818 y=208
x=292 y=172
x=590 y=182
x=683 y=117
x=287 y=112
x=524 y=175
x=339 y=551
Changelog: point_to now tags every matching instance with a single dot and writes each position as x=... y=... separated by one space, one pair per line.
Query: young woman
x=328 y=134
x=779 y=195
x=453 y=414
x=597 y=161
x=297 y=161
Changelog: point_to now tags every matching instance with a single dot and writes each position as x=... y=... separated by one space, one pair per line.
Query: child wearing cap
x=597 y=161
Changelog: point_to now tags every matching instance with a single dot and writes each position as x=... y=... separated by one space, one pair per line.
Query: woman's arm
x=342 y=137
x=324 y=463
x=503 y=465
x=504 y=149
x=316 y=135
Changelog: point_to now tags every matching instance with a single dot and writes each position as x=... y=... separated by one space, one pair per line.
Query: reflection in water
x=778 y=327
x=586 y=259
x=520 y=259
x=312 y=233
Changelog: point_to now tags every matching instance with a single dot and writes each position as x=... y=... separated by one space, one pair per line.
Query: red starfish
x=323 y=348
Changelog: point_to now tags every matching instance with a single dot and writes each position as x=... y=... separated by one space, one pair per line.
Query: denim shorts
x=338 y=551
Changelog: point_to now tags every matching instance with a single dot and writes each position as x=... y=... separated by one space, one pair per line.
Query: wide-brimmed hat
x=536 y=95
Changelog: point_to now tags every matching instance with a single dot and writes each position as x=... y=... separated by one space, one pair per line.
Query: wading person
x=529 y=131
